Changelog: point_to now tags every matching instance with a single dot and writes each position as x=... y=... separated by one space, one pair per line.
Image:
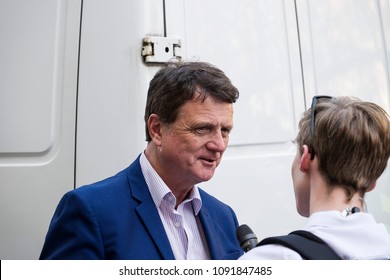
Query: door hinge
x=161 y=49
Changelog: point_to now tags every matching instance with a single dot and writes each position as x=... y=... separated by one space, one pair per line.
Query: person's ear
x=305 y=160
x=154 y=128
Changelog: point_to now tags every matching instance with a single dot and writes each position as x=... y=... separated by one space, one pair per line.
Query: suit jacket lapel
x=147 y=211
x=212 y=238
x=152 y=222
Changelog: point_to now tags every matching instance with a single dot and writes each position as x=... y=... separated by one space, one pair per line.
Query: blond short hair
x=351 y=141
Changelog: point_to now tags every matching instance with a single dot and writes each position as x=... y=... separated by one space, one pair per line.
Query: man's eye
x=226 y=132
x=202 y=130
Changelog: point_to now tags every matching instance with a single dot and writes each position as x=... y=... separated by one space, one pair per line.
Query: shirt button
x=177 y=224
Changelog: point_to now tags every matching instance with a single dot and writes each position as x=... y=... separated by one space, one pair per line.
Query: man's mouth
x=210 y=160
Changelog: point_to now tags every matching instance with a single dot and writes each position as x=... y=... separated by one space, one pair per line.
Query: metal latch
x=161 y=49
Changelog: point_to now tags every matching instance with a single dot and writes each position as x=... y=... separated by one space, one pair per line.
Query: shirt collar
x=160 y=191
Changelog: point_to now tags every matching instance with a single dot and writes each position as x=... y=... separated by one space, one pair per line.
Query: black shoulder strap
x=308 y=245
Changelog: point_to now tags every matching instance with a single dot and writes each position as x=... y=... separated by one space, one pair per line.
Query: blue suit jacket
x=116 y=219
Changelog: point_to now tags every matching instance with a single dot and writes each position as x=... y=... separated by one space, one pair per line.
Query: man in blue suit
x=153 y=209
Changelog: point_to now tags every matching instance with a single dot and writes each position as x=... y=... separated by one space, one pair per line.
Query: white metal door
x=38 y=81
x=113 y=85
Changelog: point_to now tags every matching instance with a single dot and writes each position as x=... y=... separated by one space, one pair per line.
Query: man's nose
x=218 y=142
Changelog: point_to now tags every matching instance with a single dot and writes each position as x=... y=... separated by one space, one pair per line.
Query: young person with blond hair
x=343 y=146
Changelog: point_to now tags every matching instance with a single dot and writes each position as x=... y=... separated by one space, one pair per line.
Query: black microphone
x=246 y=237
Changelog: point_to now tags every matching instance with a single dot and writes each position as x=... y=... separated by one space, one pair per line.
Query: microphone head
x=246 y=237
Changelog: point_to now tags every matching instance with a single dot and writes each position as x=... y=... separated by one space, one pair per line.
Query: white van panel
x=278 y=53
x=113 y=85
x=38 y=83
x=32 y=132
x=346 y=55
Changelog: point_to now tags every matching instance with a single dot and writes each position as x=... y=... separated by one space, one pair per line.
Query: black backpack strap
x=308 y=245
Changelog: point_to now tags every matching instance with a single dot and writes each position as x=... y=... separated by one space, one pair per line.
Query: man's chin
x=207 y=177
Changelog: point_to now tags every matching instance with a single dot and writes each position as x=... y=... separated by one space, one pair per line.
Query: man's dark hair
x=178 y=82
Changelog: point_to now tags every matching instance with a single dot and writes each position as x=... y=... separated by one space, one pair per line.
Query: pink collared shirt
x=182 y=226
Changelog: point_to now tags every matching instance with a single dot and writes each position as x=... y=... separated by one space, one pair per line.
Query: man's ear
x=305 y=160
x=154 y=128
